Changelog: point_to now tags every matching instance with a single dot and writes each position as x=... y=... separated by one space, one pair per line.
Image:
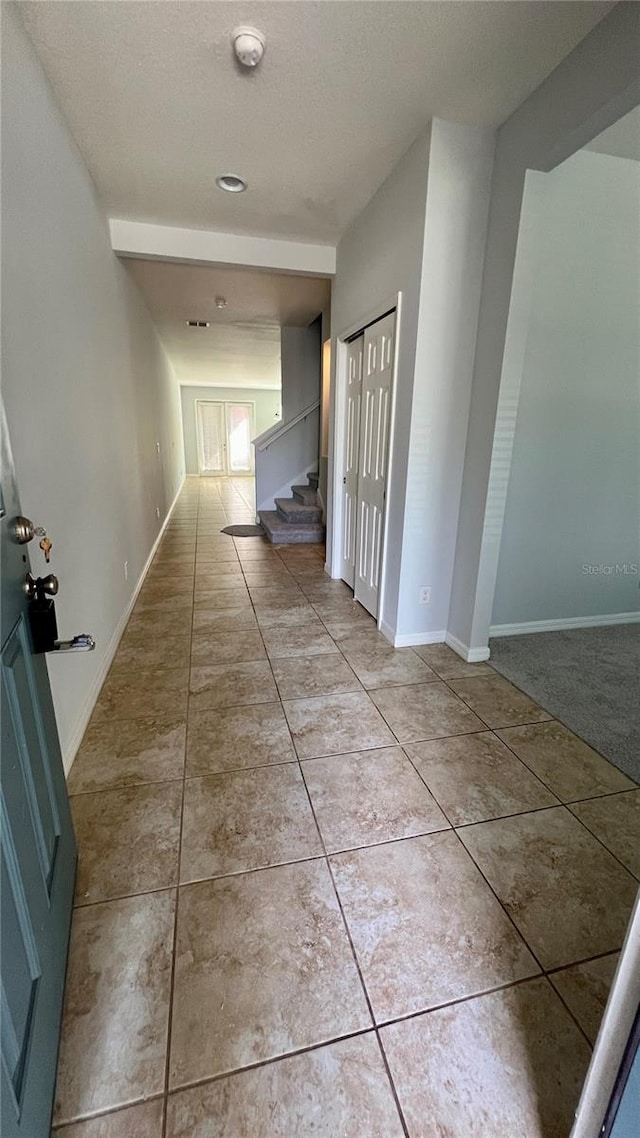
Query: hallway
x=319 y=877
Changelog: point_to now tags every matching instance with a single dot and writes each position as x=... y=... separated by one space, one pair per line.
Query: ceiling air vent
x=198 y=323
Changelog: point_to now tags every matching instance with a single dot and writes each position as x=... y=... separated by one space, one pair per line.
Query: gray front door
x=38 y=851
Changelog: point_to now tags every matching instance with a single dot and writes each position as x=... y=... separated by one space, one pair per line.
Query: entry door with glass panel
x=224 y=437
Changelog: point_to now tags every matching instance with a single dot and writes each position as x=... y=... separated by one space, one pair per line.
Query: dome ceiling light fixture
x=221 y=302
x=232 y=183
x=249 y=45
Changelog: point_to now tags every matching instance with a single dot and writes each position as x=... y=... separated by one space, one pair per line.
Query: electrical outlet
x=425 y=595
x=158 y=512
x=126 y=570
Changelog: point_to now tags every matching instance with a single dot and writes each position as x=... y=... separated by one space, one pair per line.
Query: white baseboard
x=471 y=655
x=566 y=623
x=70 y=750
x=409 y=639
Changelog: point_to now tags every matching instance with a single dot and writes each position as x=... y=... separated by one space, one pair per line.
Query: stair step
x=305 y=494
x=312 y=479
x=280 y=532
x=297 y=513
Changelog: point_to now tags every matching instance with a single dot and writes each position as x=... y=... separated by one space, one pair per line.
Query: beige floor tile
x=343 y=611
x=568 y=896
x=246 y=820
x=141 y=1121
x=339 y=1090
x=261 y=554
x=226 y=620
x=335 y=724
x=369 y=797
x=220 y=599
x=497 y=702
x=266 y=576
x=505 y=1065
x=299 y=640
x=157 y=601
x=425 y=926
x=250 y=736
x=149 y=691
x=381 y=667
x=230 y=685
x=270 y=616
x=207 y=557
x=263 y=967
x=564 y=762
x=475 y=777
x=114 y=1031
x=135 y=652
x=157 y=625
x=165 y=588
x=227 y=576
x=424 y=711
x=128 y=840
x=162 y=570
x=447 y=664
x=221 y=648
x=585 y=990
x=325 y=590
x=357 y=637
x=129 y=752
x=278 y=594
x=306 y=676
x=615 y=820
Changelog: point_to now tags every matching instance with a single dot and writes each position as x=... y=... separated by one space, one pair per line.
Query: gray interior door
x=38 y=851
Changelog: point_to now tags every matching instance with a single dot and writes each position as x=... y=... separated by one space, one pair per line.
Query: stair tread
x=286 y=533
x=291 y=506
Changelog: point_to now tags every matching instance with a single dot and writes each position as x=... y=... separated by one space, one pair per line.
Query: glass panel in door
x=211 y=437
x=240 y=430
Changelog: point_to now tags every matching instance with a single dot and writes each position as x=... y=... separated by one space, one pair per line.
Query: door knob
x=25 y=530
x=41 y=586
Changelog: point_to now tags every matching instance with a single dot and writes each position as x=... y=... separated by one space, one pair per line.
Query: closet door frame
x=335 y=521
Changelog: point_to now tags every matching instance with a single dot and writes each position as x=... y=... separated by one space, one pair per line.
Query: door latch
x=42 y=618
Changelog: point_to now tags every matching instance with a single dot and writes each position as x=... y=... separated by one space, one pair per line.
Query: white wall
x=300 y=361
x=379 y=256
x=458 y=191
x=574 y=487
x=590 y=89
x=423 y=235
x=87 y=386
x=266 y=404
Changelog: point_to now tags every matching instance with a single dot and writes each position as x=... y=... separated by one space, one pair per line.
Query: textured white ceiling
x=242 y=346
x=159 y=107
x=622 y=140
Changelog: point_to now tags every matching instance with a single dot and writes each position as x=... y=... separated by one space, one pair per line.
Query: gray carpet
x=588 y=678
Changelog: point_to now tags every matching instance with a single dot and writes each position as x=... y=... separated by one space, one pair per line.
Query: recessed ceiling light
x=231 y=183
x=221 y=302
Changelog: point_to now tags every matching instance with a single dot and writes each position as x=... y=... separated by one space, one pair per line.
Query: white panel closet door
x=373 y=459
x=351 y=444
x=212 y=437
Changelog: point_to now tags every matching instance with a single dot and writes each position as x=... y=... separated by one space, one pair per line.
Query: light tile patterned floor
x=326 y=888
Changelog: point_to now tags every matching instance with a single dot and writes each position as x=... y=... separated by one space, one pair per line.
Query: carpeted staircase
x=295 y=519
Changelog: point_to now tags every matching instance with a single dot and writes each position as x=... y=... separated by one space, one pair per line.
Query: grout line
x=356 y=961
x=175 y=919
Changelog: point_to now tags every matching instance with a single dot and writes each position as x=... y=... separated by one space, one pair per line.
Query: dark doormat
x=244 y=531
